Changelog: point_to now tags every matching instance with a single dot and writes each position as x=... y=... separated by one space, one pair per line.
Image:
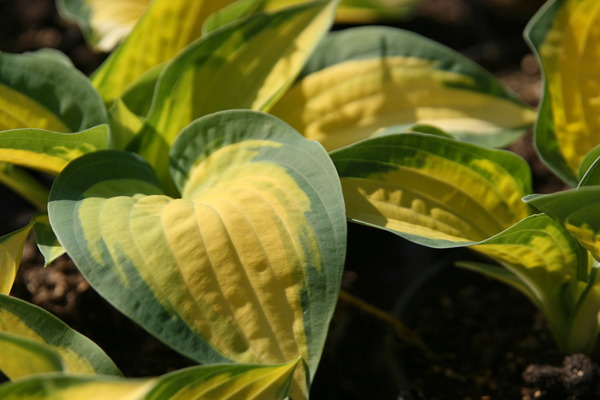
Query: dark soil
x=484 y=340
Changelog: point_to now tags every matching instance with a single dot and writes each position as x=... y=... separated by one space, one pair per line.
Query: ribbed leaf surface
x=245 y=266
x=360 y=81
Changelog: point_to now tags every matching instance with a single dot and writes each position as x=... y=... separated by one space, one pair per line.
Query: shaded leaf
x=37 y=91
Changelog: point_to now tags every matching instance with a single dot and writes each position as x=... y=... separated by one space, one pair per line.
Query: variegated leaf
x=247 y=64
x=444 y=193
x=11 y=251
x=50 y=151
x=37 y=91
x=579 y=210
x=104 y=22
x=245 y=266
x=360 y=81
x=223 y=382
x=28 y=328
x=566 y=36
x=431 y=189
x=180 y=23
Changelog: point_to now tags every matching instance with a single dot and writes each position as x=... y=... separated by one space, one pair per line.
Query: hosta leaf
x=226 y=382
x=431 y=189
x=371 y=11
x=579 y=210
x=77 y=354
x=11 y=250
x=61 y=387
x=247 y=64
x=542 y=260
x=441 y=192
x=223 y=382
x=244 y=267
x=22 y=357
x=50 y=151
x=104 y=22
x=362 y=80
x=566 y=35
x=587 y=167
x=46 y=240
x=37 y=91
x=180 y=24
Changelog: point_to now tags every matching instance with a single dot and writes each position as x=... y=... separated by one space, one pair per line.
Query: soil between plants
x=486 y=340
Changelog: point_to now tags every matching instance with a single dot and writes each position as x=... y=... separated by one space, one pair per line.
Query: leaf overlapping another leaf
x=443 y=193
x=224 y=382
x=361 y=81
x=38 y=342
x=565 y=34
x=244 y=267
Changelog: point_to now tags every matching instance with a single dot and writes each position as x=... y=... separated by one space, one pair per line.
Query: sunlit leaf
x=223 y=382
x=360 y=81
x=373 y=11
x=77 y=354
x=566 y=36
x=163 y=31
x=440 y=192
x=542 y=260
x=244 y=267
x=247 y=64
x=50 y=151
x=11 y=250
x=105 y=22
x=431 y=189
x=23 y=357
x=579 y=210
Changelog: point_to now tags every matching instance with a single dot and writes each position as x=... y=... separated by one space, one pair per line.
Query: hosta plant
x=221 y=229
x=439 y=192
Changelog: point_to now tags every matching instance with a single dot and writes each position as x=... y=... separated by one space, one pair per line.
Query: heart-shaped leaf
x=244 y=267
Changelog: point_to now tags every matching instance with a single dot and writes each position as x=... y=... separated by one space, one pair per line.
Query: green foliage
x=221 y=229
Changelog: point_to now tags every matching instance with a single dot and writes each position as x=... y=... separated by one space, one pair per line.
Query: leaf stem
x=401 y=330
